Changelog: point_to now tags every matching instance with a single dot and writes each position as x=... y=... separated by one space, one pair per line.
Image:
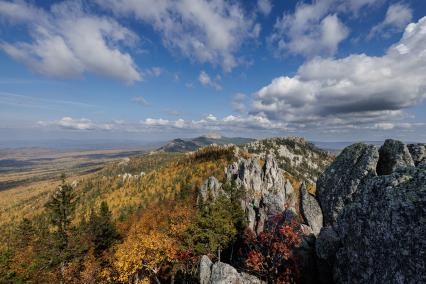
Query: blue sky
x=146 y=70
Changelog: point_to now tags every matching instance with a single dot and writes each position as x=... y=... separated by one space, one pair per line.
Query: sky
x=144 y=70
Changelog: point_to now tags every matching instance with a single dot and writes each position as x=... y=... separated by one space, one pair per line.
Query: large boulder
x=310 y=210
x=223 y=273
x=382 y=232
x=418 y=153
x=339 y=183
x=267 y=192
x=393 y=155
x=378 y=234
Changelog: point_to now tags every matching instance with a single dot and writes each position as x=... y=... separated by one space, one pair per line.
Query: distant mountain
x=187 y=145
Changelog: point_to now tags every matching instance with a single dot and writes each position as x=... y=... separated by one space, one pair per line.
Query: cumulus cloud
x=311 y=30
x=206 y=80
x=67 y=42
x=264 y=7
x=397 y=17
x=212 y=123
x=71 y=123
x=208 y=123
x=355 y=91
x=206 y=31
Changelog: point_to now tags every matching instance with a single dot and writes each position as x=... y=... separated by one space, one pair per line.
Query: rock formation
x=267 y=192
x=375 y=224
x=393 y=155
x=222 y=273
x=310 y=210
x=339 y=183
x=210 y=190
x=418 y=153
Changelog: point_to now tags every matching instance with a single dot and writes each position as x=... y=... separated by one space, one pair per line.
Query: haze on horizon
x=150 y=71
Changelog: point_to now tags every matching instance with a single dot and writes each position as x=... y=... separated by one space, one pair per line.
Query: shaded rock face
x=339 y=183
x=393 y=155
x=383 y=231
x=210 y=190
x=326 y=246
x=267 y=192
x=310 y=210
x=222 y=273
x=418 y=153
x=378 y=234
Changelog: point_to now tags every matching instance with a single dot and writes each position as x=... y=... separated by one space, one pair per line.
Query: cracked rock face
x=310 y=210
x=393 y=155
x=383 y=231
x=377 y=234
x=267 y=191
x=337 y=186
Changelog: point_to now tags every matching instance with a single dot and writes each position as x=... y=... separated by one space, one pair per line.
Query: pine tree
x=60 y=208
x=101 y=229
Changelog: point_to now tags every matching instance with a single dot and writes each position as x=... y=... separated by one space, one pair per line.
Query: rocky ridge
x=294 y=155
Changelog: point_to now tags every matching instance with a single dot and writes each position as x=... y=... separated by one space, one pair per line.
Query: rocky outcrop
x=376 y=224
x=210 y=190
x=222 y=273
x=310 y=210
x=339 y=183
x=418 y=153
x=382 y=233
x=393 y=155
x=295 y=155
x=267 y=192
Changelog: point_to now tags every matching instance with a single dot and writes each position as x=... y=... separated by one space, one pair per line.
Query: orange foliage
x=153 y=241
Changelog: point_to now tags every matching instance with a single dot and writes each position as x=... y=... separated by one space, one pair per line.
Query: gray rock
x=418 y=153
x=382 y=232
x=338 y=184
x=205 y=269
x=326 y=246
x=378 y=234
x=210 y=190
x=393 y=155
x=267 y=192
x=222 y=273
x=310 y=210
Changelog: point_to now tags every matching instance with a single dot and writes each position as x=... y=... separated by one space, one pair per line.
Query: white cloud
x=239 y=103
x=140 y=100
x=68 y=42
x=207 y=31
x=312 y=30
x=356 y=91
x=205 y=80
x=71 y=123
x=264 y=6
x=397 y=17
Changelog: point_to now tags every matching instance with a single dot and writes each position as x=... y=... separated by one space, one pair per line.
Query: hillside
x=187 y=145
x=220 y=214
